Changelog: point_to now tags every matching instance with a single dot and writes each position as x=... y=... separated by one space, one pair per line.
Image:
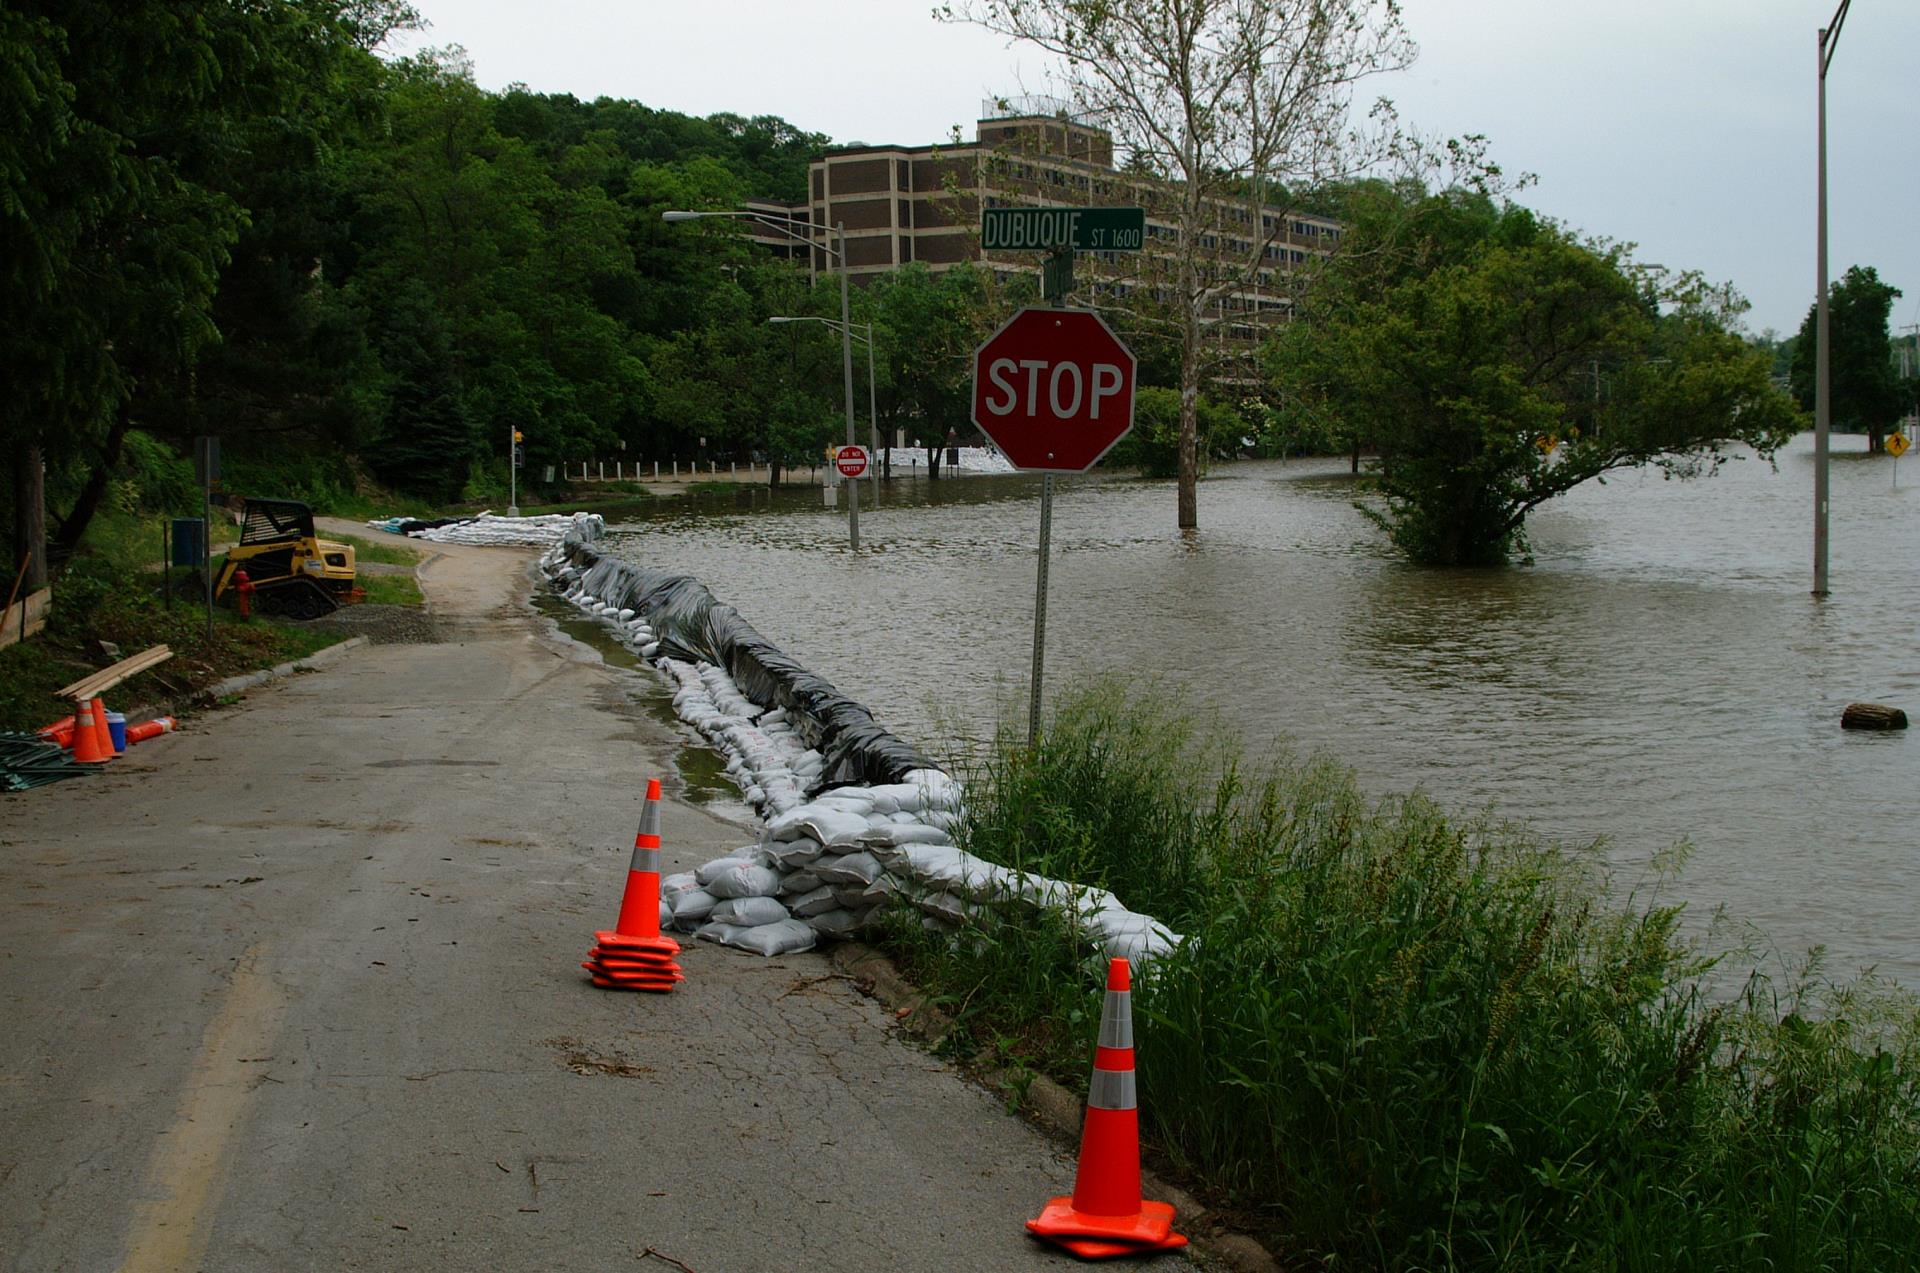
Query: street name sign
x=1051 y=229
x=851 y=461
x=1053 y=388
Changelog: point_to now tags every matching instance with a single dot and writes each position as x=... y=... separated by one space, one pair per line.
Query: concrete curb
x=1045 y=1102
x=251 y=680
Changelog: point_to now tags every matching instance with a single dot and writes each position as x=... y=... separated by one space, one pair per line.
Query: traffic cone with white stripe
x=1106 y=1215
x=86 y=736
x=635 y=955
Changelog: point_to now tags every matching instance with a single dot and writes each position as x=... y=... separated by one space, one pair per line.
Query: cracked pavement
x=298 y=987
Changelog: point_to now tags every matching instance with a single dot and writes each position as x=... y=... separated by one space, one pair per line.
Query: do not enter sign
x=1053 y=388
x=851 y=461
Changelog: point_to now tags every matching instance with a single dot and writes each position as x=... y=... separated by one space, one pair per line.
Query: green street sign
x=1046 y=229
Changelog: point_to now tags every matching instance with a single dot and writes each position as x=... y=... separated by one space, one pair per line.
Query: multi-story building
x=903 y=204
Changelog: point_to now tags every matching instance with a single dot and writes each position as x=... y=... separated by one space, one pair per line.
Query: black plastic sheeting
x=692 y=625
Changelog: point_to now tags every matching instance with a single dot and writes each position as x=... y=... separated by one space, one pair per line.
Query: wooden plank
x=108 y=677
x=33 y=608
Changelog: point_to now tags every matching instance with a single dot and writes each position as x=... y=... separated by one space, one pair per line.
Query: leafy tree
x=1235 y=106
x=927 y=326
x=1153 y=446
x=1478 y=379
x=1865 y=390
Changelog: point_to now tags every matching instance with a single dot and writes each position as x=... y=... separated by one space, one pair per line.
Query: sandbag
x=851 y=868
x=745 y=880
x=840 y=922
x=692 y=906
x=817 y=902
x=749 y=911
x=705 y=872
x=794 y=883
x=783 y=938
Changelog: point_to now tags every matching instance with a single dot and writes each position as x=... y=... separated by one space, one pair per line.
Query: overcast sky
x=1684 y=126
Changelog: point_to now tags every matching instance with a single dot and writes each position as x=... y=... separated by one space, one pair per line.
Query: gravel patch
x=382 y=625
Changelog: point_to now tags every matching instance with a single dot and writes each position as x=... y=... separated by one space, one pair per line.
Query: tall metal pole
x=513 y=475
x=846 y=367
x=1822 y=387
x=1040 y=609
x=1829 y=37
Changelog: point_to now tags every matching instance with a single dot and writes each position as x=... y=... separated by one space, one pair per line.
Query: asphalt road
x=299 y=988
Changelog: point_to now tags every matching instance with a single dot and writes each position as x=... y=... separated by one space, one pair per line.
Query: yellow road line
x=184 y=1178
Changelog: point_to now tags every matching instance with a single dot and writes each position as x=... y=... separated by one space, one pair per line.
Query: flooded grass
x=1396 y=1039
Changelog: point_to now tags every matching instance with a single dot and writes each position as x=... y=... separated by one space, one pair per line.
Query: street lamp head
x=681 y=216
x=780 y=320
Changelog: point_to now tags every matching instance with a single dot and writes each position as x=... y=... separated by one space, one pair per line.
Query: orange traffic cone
x=635 y=956
x=107 y=750
x=86 y=738
x=149 y=729
x=60 y=733
x=1106 y=1216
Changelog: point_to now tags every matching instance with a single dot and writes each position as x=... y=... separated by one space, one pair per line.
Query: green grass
x=377 y=551
x=1396 y=1039
x=392 y=590
x=112 y=592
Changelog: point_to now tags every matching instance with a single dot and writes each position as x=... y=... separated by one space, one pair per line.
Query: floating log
x=1872 y=716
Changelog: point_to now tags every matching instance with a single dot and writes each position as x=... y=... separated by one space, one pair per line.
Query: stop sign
x=1053 y=388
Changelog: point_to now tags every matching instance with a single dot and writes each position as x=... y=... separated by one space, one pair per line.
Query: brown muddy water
x=1659 y=673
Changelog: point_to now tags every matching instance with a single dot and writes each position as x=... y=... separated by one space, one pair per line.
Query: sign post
x=1053 y=389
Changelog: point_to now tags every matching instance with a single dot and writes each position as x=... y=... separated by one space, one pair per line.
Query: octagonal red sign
x=1053 y=388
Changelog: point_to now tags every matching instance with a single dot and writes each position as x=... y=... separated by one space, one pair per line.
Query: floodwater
x=1659 y=673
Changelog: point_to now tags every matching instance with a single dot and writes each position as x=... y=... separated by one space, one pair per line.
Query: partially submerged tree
x=1239 y=107
x=1867 y=395
x=1527 y=365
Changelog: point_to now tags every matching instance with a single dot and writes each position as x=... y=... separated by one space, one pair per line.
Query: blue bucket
x=117 y=726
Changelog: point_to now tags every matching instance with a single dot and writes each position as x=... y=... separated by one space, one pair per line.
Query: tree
x=1865 y=390
x=1238 y=105
x=927 y=326
x=1480 y=379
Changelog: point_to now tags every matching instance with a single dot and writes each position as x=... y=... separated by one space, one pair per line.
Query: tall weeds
x=1396 y=1039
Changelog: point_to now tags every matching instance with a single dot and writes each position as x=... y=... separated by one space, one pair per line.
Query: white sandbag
x=790 y=855
x=794 y=883
x=666 y=914
x=892 y=833
x=749 y=911
x=948 y=906
x=847 y=800
x=828 y=825
x=938 y=789
x=672 y=886
x=817 y=902
x=745 y=880
x=704 y=874
x=863 y=896
x=851 y=868
x=693 y=906
x=783 y=938
x=838 y=923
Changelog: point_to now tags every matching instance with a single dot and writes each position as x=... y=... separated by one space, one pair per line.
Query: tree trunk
x=933 y=463
x=88 y=502
x=29 y=519
x=1355 y=457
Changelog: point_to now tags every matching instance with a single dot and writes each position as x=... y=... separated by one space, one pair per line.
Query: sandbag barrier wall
x=854 y=815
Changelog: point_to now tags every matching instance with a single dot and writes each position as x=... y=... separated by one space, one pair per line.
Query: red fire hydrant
x=243 y=588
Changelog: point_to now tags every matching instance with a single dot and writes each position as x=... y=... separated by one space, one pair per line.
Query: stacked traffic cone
x=635 y=956
x=102 y=731
x=1106 y=1215
x=87 y=735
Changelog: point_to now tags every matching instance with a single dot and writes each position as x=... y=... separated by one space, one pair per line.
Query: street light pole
x=846 y=369
x=1822 y=372
x=846 y=339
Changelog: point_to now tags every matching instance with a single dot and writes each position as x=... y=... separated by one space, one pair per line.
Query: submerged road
x=299 y=988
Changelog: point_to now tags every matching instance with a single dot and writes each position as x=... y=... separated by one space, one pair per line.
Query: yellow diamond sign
x=1897 y=445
